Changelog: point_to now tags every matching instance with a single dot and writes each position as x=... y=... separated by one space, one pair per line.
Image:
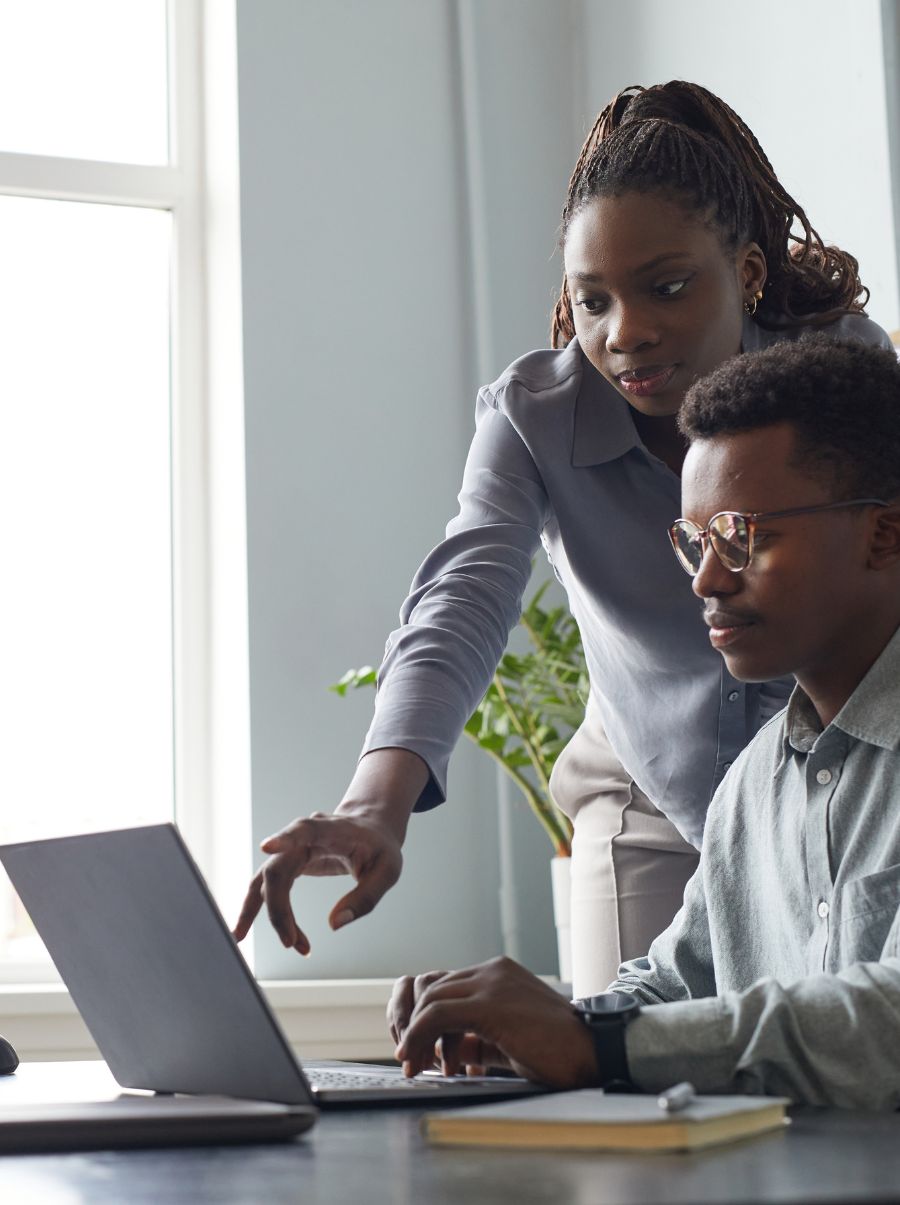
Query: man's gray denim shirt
x=784 y=962
x=556 y=459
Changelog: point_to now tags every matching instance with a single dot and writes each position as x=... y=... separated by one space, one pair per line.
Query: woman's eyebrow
x=649 y=266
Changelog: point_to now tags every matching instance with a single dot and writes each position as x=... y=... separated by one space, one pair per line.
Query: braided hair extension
x=683 y=142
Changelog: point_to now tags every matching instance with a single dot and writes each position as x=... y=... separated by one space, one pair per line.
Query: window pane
x=85 y=80
x=85 y=517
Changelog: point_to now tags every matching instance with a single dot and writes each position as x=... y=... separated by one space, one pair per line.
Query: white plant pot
x=560 y=878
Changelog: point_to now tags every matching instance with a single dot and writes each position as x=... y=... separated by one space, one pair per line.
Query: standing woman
x=679 y=253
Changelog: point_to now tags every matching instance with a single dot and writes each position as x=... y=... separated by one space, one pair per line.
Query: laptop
x=163 y=988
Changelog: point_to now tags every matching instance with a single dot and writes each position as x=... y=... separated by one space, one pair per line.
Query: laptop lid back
x=151 y=966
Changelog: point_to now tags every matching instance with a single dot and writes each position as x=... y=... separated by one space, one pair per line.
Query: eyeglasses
x=730 y=534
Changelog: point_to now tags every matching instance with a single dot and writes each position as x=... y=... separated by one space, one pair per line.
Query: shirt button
x=823 y=777
x=727 y=766
x=733 y=696
x=823 y=909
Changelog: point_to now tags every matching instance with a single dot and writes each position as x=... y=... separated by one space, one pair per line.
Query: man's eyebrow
x=590 y=278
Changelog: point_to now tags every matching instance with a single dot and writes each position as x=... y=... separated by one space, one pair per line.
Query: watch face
x=610 y=1006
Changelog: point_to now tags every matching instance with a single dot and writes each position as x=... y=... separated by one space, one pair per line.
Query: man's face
x=801 y=605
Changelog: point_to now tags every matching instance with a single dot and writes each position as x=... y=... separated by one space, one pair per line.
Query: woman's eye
x=670 y=288
x=591 y=305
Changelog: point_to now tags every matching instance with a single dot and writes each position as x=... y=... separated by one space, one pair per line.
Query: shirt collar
x=603 y=429
x=871 y=714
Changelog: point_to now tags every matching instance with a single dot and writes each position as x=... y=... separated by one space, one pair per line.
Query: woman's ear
x=752 y=270
x=884 y=544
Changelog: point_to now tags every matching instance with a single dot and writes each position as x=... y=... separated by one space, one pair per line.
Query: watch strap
x=612 y=1060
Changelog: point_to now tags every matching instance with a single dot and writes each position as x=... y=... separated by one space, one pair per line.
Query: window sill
x=322 y=1019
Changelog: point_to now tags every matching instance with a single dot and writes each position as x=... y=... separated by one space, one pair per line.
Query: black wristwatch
x=607 y=1017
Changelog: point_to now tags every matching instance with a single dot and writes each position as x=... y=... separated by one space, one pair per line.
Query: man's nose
x=712 y=579
x=629 y=328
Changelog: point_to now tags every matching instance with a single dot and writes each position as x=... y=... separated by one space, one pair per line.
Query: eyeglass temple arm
x=808 y=510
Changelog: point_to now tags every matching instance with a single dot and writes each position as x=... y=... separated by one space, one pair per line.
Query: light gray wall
x=403 y=166
x=362 y=353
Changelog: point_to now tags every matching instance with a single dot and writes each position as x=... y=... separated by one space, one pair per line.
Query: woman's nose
x=629 y=328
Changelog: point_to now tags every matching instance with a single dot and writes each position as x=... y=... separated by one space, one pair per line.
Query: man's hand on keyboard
x=496 y=1014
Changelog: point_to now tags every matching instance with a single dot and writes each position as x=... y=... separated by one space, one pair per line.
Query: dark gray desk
x=378 y=1156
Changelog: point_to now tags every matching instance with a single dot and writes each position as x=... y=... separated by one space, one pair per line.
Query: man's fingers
x=448 y=1046
x=469 y=1053
x=399 y=1007
x=479 y=1056
x=440 y=1019
x=404 y=994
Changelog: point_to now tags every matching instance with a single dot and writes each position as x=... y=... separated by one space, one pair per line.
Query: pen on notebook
x=676 y=1098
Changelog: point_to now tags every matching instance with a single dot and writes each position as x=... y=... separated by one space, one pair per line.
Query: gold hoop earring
x=751 y=303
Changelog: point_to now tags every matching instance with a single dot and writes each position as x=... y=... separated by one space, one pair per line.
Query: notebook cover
x=591 y=1119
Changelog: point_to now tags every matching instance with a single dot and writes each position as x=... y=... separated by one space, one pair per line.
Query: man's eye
x=670 y=288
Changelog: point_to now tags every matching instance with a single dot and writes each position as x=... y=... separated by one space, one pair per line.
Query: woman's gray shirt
x=556 y=459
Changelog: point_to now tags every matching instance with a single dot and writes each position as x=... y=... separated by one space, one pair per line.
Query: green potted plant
x=532 y=707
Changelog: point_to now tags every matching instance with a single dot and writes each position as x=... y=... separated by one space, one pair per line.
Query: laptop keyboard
x=355 y=1080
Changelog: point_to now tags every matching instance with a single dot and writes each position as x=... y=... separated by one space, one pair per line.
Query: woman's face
x=656 y=297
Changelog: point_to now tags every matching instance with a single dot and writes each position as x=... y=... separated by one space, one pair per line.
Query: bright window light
x=84 y=79
x=86 y=679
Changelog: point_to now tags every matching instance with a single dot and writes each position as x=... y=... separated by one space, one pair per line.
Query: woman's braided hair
x=681 y=141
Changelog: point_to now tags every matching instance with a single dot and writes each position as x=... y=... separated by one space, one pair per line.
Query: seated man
x=781 y=972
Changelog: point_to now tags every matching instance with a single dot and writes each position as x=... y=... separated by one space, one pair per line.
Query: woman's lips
x=644 y=381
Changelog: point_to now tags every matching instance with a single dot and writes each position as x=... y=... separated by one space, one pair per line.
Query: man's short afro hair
x=842 y=397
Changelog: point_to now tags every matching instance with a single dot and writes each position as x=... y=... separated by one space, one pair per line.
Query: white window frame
x=200 y=188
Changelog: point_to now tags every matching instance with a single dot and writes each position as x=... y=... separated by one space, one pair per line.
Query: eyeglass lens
x=728 y=534
x=730 y=538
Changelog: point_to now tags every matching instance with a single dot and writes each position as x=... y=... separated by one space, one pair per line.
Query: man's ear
x=884 y=545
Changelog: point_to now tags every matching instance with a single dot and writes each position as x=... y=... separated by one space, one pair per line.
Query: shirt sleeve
x=463 y=602
x=826 y=1040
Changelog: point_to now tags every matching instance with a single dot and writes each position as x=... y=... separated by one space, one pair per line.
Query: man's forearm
x=828 y=1040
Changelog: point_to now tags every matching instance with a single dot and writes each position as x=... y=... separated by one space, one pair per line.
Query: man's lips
x=643 y=381
x=725 y=627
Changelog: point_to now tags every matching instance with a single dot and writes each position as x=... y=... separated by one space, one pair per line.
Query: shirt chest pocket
x=868 y=925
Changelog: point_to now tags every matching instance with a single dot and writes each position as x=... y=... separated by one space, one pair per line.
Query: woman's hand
x=321 y=845
x=496 y=1014
x=363 y=838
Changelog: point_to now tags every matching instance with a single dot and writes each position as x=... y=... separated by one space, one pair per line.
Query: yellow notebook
x=591 y=1120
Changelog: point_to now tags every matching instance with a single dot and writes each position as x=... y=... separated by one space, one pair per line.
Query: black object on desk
x=9 y=1060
